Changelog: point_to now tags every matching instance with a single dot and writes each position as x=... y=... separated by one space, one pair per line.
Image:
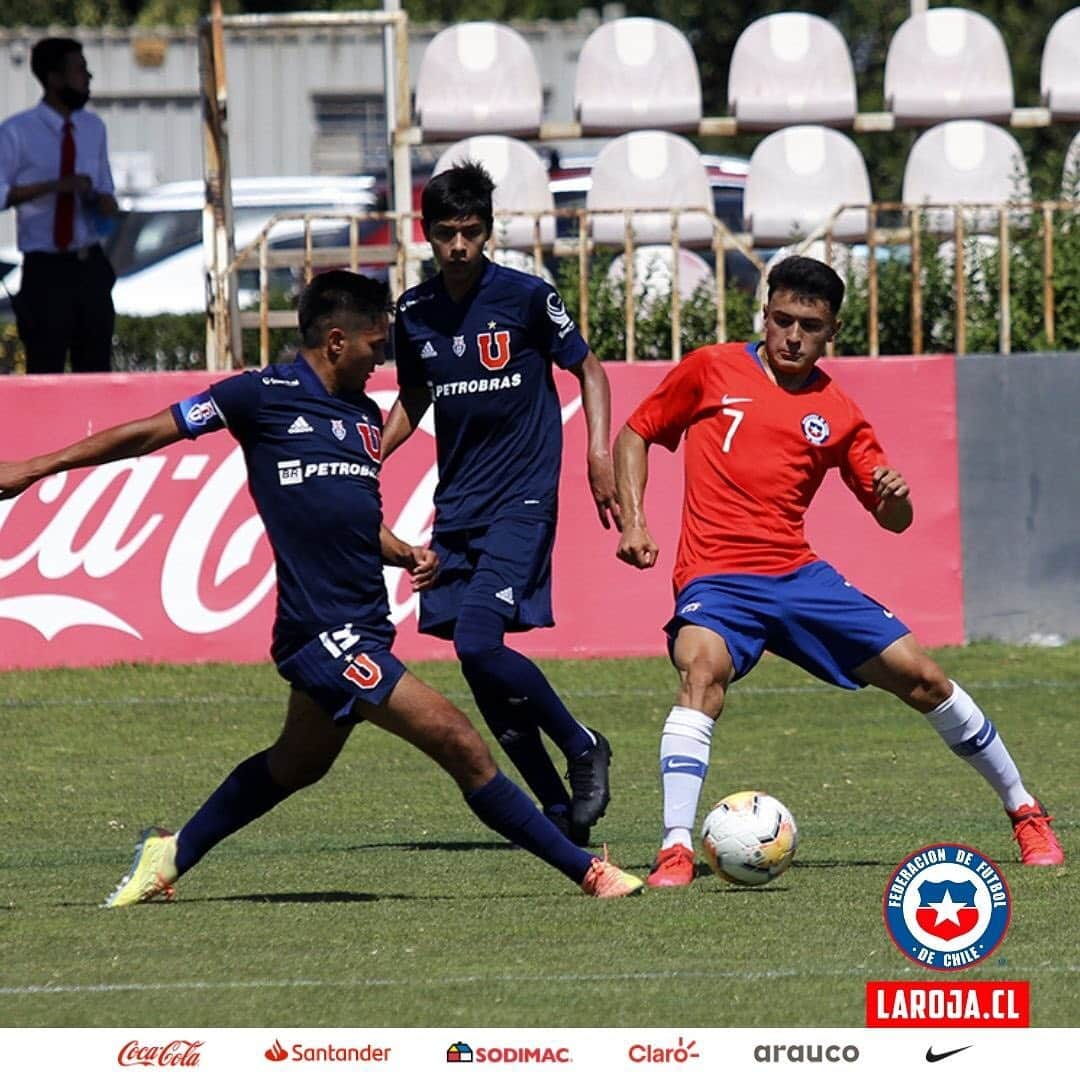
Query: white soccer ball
x=749 y=838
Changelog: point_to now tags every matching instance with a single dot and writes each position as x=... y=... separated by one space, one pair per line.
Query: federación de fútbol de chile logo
x=947 y=907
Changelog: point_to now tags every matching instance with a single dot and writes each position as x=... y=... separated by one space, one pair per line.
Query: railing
x=947 y=225
x=898 y=235
x=400 y=263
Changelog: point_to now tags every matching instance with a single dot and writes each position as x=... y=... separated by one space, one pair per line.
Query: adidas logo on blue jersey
x=300 y=427
x=428 y=351
x=506 y=595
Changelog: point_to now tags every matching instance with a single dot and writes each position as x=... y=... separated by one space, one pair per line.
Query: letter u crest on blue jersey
x=497 y=360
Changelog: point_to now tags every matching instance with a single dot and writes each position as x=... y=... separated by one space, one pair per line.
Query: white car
x=156 y=247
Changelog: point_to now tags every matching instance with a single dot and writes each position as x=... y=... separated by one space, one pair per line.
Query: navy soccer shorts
x=341 y=667
x=812 y=617
x=504 y=566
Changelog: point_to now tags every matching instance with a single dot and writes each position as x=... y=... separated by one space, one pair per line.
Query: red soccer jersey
x=755 y=456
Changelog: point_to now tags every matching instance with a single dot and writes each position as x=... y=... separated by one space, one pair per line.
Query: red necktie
x=64 y=221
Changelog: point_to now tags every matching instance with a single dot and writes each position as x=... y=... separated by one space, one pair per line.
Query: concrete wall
x=1019 y=447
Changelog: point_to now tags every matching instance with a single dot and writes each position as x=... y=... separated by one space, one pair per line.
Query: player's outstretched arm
x=596 y=399
x=421 y=562
x=636 y=545
x=405 y=417
x=894 y=510
x=133 y=439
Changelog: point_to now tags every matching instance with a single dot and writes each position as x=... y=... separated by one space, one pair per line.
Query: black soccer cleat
x=588 y=776
x=574 y=833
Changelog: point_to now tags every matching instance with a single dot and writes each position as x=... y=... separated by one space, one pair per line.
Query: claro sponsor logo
x=328 y=1052
x=182 y=1053
x=800 y=1053
x=683 y=1051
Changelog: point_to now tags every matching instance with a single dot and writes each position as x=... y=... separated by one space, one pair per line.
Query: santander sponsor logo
x=179 y=1052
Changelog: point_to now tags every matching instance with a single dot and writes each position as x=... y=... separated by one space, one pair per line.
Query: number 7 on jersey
x=736 y=419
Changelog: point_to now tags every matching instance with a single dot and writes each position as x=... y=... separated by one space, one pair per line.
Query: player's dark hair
x=459 y=192
x=50 y=54
x=807 y=279
x=337 y=293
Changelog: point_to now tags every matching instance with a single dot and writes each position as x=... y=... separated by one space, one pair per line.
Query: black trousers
x=65 y=308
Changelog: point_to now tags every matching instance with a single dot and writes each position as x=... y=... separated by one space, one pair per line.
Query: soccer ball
x=749 y=837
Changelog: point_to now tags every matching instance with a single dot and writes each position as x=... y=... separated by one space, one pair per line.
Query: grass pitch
x=376 y=899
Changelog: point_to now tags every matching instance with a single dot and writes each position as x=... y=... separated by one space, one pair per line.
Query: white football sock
x=971 y=735
x=684 y=761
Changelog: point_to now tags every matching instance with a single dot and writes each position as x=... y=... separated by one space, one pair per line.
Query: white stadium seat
x=655 y=171
x=965 y=161
x=521 y=184
x=791 y=68
x=948 y=63
x=1059 y=79
x=478 y=78
x=634 y=74
x=799 y=177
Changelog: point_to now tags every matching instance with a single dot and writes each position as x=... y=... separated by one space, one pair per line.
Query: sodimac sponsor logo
x=463 y=1052
x=179 y=1053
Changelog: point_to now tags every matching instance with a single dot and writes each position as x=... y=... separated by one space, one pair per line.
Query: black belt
x=71 y=255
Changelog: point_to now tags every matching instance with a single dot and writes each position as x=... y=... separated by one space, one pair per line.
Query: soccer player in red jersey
x=763 y=425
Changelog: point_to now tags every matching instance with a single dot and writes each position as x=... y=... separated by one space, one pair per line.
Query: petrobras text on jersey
x=296 y=471
x=476 y=386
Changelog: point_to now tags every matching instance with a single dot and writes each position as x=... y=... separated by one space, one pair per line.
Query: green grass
x=375 y=898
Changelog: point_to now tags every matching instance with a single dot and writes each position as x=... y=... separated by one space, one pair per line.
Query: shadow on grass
x=434 y=845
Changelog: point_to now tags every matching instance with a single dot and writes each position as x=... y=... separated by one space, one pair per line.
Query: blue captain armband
x=198 y=415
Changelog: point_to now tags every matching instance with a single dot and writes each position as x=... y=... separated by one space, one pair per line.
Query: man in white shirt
x=54 y=171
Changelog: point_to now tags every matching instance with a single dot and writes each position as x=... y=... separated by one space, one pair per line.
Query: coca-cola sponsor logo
x=182 y=1053
x=680 y=1053
x=368 y=1054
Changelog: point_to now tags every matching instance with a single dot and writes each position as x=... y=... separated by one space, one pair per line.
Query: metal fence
x=972 y=243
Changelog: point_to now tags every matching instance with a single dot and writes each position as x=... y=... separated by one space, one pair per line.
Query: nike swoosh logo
x=727 y=400
x=931 y=1056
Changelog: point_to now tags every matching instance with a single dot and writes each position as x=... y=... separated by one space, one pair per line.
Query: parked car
x=156 y=245
x=571 y=178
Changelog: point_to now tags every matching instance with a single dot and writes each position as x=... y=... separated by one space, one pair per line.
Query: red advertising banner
x=948 y=1004
x=163 y=558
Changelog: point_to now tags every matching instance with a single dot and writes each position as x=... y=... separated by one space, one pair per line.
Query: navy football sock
x=245 y=794
x=519 y=737
x=501 y=674
x=501 y=805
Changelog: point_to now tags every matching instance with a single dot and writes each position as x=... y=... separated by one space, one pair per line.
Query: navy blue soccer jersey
x=313 y=471
x=487 y=363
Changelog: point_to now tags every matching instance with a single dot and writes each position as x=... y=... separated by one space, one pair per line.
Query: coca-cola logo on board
x=170 y=542
x=178 y=1053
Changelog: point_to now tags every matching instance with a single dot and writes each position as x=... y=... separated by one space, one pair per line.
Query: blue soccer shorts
x=342 y=667
x=812 y=617
x=504 y=566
